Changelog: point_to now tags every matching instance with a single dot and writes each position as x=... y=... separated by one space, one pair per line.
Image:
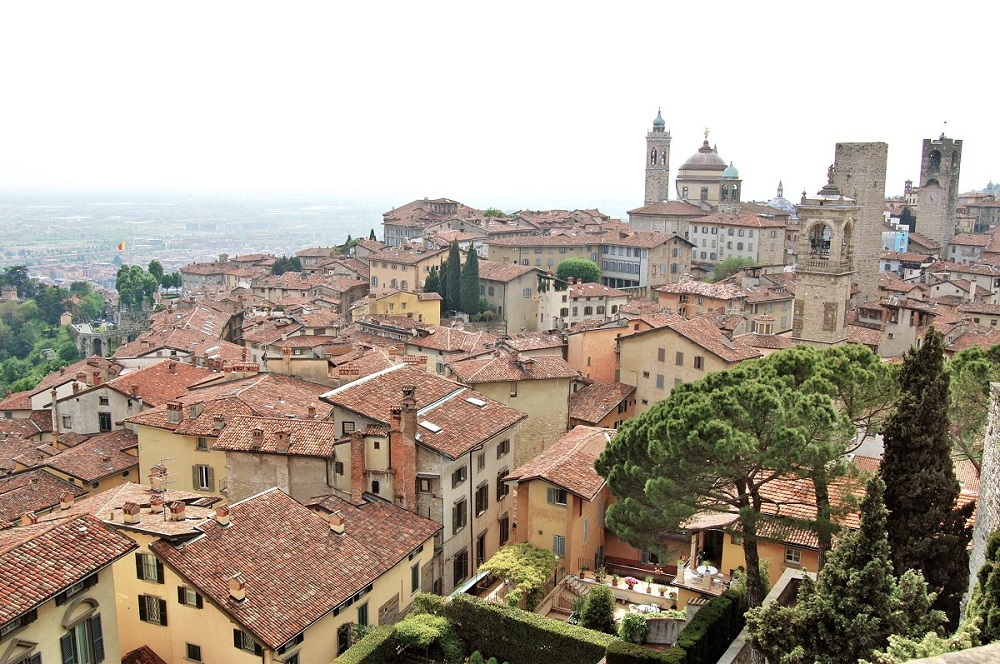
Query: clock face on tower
x=931 y=197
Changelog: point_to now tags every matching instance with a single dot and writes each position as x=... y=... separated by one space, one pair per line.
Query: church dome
x=658 y=123
x=731 y=172
x=705 y=159
x=779 y=202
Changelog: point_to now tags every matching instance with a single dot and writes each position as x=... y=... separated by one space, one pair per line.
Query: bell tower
x=940 y=163
x=824 y=266
x=657 y=162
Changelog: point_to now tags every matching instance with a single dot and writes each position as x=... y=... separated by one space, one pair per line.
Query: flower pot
x=649 y=589
x=631 y=586
x=663 y=591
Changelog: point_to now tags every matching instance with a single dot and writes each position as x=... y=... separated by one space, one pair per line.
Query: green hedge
x=377 y=647
x=713 y=628
x=520 y=637
x=620 y=652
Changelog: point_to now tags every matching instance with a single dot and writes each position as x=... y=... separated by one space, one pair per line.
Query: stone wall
x=859 y=173
x=988 y=503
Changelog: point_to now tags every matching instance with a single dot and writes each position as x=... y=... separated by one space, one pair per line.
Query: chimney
x=34 y=484
x=156 y=504
x=337 y=523
x=172 y=367
x=130 y=513
x=219 y=421
x=134 y=389
x=157 y=478
x=257 y=439
x=282 y=442
x=237 y=588
x=286 y=360
x=66 y=501
x=357 y=466
x=174 y=412
x=175 y=511
x=403 y=451
x=96 y=378
x=29 y=518
x=311 y=411
x=222 y=515
x=76 y=387
x=55 y=413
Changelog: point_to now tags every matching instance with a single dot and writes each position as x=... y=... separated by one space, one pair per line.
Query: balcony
x=826 y=265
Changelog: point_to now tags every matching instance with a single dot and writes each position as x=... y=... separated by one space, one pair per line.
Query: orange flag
x=121 y=246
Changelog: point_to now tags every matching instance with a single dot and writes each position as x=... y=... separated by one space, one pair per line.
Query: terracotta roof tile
x=460 y=423
x=723 y=290
x=502 y=272
x=569 y=462
x=161 y=382
x=702 y=332
x=971 y=240
x=32 y=491
x=501 y=367
x=593 y=402
x=769 y=341
x=268 y=531
x=99 y=456
x=143 y=655
x=405 y=255
x=670 y=208
x=453 y=340
x=534 y=341
x=374 y=395
x=41 y=560
x=17 y=401
x=305 y=437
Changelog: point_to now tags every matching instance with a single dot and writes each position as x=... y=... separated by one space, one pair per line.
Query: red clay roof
x=596 y=400
x=32 y=491
x=99 y=456
x=569 y=462
x=306 y=437
x=41 y=560
x=295 y=568
x=503 y=367
x=143 y=655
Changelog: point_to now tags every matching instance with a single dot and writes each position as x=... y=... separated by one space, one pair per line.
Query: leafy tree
x=579 y=268
x=156 y=269
x=51 y=303
x=984 y=606
x=908 y=219
x=714 y=446
x=172 y=280
x=494 y=212
x=927 y=529
x=432 y=284
x=854 y=606
x=453 y=295
x=470 y=282
x=135 y=287
x=286 y=264
x=17 y=276
x=527 y=568
x=731 y=266
x=371 y=236
x=971 y=371
x=599 y=610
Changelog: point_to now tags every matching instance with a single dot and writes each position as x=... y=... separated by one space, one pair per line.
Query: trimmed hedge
x=377 y=647
x=713 y=628
x=520 y=637
x=621 y=652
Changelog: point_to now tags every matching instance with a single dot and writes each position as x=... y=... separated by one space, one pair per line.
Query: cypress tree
x=927 y=530
x=443 y=286
x=453 y=301
x=432 y=284
x=470 y=283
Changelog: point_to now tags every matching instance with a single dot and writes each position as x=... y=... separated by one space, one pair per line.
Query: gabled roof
x=501 y=367
x=971 y=239
x=305 y=437
x=704 y=333
x=97 y=457
x=157 y=383
x=295 y=568
x=32 y=491
x=41 y=560
x=458 y=423
x=374 y=395
x=451 y=339
x=593 y=402
x=502 y=272
x=722 y=290
x=670 y=208
x=569 y=462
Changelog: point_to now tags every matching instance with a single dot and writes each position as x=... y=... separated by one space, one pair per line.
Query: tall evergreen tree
x=454 y=294
x=854 y=606
x=443 y=285
x=927 y=529
x=432 y=284
x=470 y=282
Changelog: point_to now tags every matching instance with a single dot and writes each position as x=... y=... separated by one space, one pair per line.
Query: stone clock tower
x=824 y=266
x=657 y=162
x=940 y=164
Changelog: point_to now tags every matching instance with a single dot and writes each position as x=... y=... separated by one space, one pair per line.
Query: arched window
x=935 y=164
x=652 y=157
x=725 y=193
x=663 y=157
x=393 y=284
x=954 y=160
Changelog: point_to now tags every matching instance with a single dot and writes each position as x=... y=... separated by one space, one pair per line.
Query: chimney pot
x=311 y=410
x=237 y=588
x=176 y=511
x=66 y=501
x=156 y=504
x=337 y=522
x=220 y=422
x=29 y=518
x=222 y=515
x=282 y=442
x=130 y=513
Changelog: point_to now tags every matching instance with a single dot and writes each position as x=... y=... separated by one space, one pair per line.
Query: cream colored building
x=424 y=307
x=545 y=251
x=405 y=268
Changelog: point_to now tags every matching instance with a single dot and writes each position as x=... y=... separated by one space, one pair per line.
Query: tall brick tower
x=824 y=266
x=859 y=173
x=940 y=164
x=657 y=162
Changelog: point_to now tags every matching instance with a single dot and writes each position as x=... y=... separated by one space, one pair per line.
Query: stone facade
x=988 y=502
x=859 y=172
x=657 y=162
x=940 y=163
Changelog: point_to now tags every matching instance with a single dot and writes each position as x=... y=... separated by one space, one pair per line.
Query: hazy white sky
x=515 y=104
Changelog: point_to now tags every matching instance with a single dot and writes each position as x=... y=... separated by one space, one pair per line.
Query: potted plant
x=583 y=572
x=633 y=628
x=663 y=590
x=600 y=574
x=615 y=580
x=649 y=584
x=681 y=564
x=630 y=581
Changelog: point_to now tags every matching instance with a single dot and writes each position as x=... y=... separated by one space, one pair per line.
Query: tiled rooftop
x=32 y=491
x=451 y=339
x=41 y=560
x=295 y=568
x=501 y=367
x=569 y=462
x=593 y=402
x=460 y=423
x=305 y=437
x=99 y=456
x=502 y=272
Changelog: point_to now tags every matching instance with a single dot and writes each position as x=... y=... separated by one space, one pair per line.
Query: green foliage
x=579 y=268
x=908 y=219
x=633 y=628
x=476 y=658
x=599 y=610
x=286 y=264
x=420 y=630
x=432 y=284
x=856 y=594
x=453 y=275
x=17 y=276
x=984 y=606
x=527 y=568
x=731 y=266
x=713 y=628
x=902 y=649
x=135 y=287
x=521 y=637
x=428 y=603
x=156 y=269
x=492 y=660
x=379 y=646
x=620 y=652
x=470 y=283
x=971 y=371
x=494 y=212
x=928 y=531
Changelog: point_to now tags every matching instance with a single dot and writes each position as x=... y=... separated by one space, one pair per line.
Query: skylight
x=430 y=426
x=476 y=402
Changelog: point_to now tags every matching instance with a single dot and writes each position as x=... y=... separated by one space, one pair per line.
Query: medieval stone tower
x=940 y=164
x=657 y=162
x=859 y=173
x=824 y=266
